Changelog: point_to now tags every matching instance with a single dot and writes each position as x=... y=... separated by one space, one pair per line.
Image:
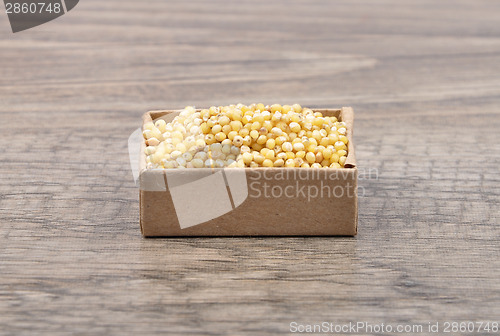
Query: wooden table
x=424 y=81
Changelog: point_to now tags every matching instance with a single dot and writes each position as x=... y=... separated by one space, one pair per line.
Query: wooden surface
x=423 y=78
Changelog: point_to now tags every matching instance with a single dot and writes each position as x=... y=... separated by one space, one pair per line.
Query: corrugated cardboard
x=250 y=201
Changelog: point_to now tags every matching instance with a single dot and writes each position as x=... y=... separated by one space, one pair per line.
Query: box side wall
x=275 y=206
x=347 y=116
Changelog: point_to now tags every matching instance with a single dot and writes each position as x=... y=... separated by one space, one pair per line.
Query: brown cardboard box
x=250 y=201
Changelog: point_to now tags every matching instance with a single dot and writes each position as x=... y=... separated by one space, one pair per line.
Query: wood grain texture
x=423 y=78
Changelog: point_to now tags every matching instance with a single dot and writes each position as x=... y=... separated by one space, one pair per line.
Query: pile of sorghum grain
x=246 y=136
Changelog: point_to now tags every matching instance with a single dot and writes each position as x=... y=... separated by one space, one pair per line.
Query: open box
x=250 y=201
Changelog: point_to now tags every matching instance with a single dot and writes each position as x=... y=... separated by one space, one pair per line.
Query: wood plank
x=423 y=79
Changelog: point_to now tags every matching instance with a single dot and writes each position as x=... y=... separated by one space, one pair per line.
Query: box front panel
x=277 y=202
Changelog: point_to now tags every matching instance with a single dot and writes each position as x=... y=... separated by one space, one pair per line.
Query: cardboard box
x=250 y=201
